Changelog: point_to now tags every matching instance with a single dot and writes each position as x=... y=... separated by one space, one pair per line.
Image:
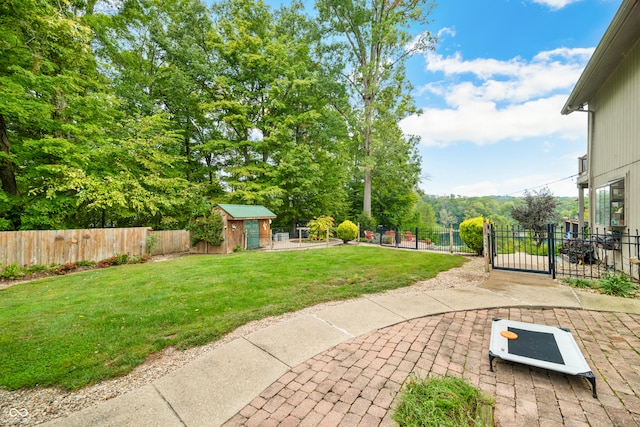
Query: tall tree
x=53 y=107
x=376 y=42
x=278 y=112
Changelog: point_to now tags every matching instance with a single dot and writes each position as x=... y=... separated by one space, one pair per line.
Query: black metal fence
x=439 y=239
x=590 y=254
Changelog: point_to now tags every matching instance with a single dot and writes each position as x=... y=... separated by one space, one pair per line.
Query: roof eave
x=618 y=39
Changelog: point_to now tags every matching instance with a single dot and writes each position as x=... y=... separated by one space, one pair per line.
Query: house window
x=610 y=204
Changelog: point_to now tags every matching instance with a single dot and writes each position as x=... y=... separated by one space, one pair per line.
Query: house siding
x=615 y=126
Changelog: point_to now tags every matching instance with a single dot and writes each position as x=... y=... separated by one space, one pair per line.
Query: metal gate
x=520 y=249
x=253 y=233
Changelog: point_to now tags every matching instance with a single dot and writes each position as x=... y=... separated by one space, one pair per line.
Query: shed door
x=253 y=233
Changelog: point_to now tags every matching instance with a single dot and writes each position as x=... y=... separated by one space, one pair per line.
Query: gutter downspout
x=590 y=127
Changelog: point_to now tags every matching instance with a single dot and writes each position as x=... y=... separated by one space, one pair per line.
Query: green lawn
x=74 y=330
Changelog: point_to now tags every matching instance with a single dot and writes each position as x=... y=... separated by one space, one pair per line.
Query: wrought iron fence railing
x=439 y=239
x=590 y=254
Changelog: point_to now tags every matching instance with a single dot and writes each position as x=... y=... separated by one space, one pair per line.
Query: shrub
x=66 y=268
x=318 y=227
x=471 y=234
x=366 y=222
x=139 y=259
x=151 y=242
x=85 y=263
x=117 y=259
x=347 y=231
x=618 y=285
x=12 y=272
x=206 y=229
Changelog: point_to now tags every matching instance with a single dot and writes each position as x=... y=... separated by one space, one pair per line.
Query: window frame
x=610 y=204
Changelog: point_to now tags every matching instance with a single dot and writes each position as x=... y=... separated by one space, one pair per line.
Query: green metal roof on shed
x=247 y=211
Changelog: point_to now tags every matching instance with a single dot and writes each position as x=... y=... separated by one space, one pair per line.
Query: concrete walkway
x=343 y=365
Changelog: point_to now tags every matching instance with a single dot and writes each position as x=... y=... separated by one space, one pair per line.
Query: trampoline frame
x=574 y=362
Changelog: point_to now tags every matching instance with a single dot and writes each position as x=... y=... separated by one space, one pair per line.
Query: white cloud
x=489 y=100
x=555 y=4
x=483 y=123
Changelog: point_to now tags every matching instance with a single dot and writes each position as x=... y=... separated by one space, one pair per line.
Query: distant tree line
x=531 y=209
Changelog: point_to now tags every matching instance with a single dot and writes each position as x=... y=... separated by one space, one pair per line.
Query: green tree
x=160 y=57
x=375 y=43
x=536 y=211
x=54 y=109
x=446 y=218
x=426 y=214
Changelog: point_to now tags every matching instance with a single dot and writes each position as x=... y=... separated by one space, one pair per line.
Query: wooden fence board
x=49 y=247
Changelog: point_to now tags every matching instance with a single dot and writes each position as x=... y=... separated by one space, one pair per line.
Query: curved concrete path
x=344 y=364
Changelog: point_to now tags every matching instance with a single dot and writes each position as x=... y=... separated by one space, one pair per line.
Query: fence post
x=551 y=249
x=271 y=243
x=327 y=236
x=416 y=238
x=299 y=237
x=451 y=238
x=485 y=236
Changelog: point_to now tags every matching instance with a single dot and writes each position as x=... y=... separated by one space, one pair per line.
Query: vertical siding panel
x=616 y=133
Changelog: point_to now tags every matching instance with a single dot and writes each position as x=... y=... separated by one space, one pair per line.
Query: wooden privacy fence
x=47 y=247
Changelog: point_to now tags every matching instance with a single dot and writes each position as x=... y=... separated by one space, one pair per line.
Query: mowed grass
x=75 y=330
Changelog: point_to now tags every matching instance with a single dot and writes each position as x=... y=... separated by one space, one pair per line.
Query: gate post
x=551 y=232
x=485 y=241
x=492 y=244
x=397 y=237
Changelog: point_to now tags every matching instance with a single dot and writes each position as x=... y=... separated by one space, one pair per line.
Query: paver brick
x=332 y=419
x=355 y=382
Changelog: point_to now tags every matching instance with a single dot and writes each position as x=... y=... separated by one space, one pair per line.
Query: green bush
x=347 y=231
x=318 y=227
x=618 y=285
x=151 y=242
x=12 y=272
x=206 y=229
x=117 y=259
x=471 y=234
x=367 y=222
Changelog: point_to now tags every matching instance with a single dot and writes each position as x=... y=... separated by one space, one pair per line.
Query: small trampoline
x=542 y=346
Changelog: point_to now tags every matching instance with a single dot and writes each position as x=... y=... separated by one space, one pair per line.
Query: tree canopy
x=536 y=210
x=147 y=112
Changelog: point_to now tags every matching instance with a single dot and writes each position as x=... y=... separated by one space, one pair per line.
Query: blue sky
x=492 y=91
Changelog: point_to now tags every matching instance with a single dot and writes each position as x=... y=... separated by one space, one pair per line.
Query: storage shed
x=246 y=226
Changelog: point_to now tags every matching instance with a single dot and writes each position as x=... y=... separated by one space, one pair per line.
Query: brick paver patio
x=354 y=383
